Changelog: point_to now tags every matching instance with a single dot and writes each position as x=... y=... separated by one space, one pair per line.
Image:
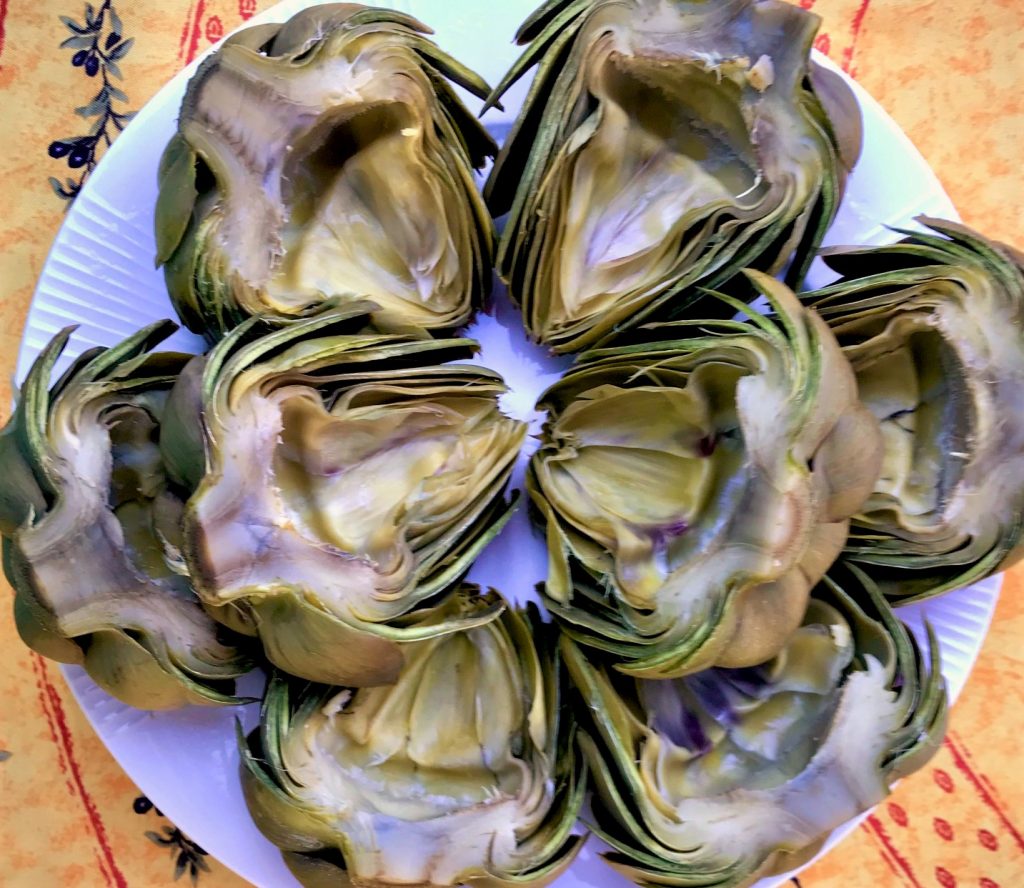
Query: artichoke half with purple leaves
x=90 y=520
x=322 y=160
x=664 y=146
x=350 y=478
x=462 y=772
x=934 y=329
x=695 y=487
x=726 y=776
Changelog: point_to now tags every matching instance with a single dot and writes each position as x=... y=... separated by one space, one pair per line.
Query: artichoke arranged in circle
x=729 y=775
x=664 y=146
x=462 y=772
x=326 y=159
x=351 y=479
x=695 y=488
x=934 y=329
x=87 y=515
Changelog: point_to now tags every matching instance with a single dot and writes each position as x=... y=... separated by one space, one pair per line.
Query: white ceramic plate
x=100 y=275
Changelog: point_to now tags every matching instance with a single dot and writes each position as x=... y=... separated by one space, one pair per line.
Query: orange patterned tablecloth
x=951 y=72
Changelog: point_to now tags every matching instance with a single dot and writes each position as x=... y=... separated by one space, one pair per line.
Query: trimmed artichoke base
x=90 y=559
x=463 y=771
x=719 y=778
x=696 y=489
x=422 y=777
x=932 y=326
x=334 y=217
x=353 y=477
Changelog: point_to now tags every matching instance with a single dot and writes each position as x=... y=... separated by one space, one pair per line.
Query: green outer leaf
x=176 y=197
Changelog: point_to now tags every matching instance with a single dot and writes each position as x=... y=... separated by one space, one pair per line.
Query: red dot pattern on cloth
x=823 y=43
x=943 y=829
x=988 y=883
x=898 y=815
x=214 y=28
x=987 y=840
x=944 y=877
x=246 y=9
x=943 y=780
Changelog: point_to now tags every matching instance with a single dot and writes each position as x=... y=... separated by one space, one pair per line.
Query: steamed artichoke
x=934 y=329
x=461 y=772
x=722 y=777
x=695 y=488
x=325 y=159
x=86 y=513
x=664 y=145
x=350 y=480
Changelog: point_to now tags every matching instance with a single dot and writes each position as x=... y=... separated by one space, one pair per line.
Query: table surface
x=949 y=72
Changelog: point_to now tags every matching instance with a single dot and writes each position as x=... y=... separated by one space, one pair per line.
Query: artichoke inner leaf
x=926 y=422
x=353 y=226
x=666 y=148
x=650 y=485
x=377 y=480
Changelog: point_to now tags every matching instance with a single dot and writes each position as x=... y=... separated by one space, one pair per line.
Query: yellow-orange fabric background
x=952 y=74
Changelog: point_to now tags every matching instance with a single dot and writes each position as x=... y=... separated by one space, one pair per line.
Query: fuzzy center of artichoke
x=665 y=148
x=652 y=474
x=752 y=728
x=926 y=419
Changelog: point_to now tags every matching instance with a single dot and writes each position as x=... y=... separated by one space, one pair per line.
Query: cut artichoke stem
x=341 y=166
x=461 y=771
x=694 y=488
x=932 y=326
x=663 y=147
x=352 y=479
x=87 y=554
x=729 y=775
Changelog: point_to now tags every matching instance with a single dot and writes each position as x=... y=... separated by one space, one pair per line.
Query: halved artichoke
x=695 y=488
x=351 y=479
x=326 y=158
x=664 y=146
x=86 y=512
x=934 y=329
x=462 y=772
x=722 y=777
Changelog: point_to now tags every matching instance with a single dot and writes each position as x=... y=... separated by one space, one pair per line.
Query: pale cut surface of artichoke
x=88 y=519
x=694 y=488
x=462 y=772
x=934 y=329
x=351 y=479
x=664 y=146
x=326 y=158
x=729 y=775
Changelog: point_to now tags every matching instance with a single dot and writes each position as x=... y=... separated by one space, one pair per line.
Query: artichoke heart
x=326 y=159
x=664 y=146
x=352 y=477
x=696 y=487
x=729 y=775
x=934 y=329
x=91 y=524
x=463 y=771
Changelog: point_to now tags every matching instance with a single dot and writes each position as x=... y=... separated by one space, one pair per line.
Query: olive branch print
x=98 y=45
x=187 y=855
